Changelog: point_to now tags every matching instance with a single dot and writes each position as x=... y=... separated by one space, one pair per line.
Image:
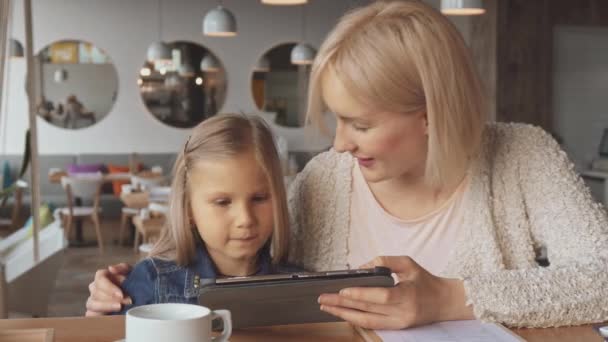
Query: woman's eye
x=360 y=128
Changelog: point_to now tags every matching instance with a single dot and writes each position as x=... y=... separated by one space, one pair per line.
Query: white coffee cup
x=175 y=322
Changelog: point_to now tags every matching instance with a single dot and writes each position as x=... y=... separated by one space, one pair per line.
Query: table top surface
x=111 y=328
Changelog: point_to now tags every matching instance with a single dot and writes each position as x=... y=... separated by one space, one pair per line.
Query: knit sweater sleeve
x=564 y=218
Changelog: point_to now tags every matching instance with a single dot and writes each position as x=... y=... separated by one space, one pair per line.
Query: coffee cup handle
x=226 y=318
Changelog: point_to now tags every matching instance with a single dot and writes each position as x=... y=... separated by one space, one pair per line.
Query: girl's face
x=232 y=207
x=387 y=145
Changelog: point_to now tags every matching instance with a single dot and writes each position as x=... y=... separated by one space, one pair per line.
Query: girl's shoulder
x=156 y=266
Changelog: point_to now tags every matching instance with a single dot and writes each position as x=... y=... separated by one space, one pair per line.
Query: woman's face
x=387 y=145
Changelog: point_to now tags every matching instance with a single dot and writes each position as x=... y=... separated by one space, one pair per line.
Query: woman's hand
x=105 y=293
x=418 y=298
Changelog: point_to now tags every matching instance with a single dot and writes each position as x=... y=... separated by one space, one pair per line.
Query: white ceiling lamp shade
x=210 y=64
x=303 y=54
x=186 y=70
x=60 y=75
x=284 y=2
x=159 y=52
x=219 y=22
x=15 y=49
x=462 y=7
x=263 y=65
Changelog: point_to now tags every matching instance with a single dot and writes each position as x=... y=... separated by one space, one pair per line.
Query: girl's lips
x=365 y=162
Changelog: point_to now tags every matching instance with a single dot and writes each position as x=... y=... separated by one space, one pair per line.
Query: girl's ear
x=425 y=122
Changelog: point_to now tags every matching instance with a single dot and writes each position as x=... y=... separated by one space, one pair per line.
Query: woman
x=458 y=208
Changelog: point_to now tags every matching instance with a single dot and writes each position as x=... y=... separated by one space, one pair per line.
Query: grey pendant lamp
x=284 y=2
x=263 y=65
x=15 y=49
x=462 y=7
x=219 y=22
x=159 y=51
x=303 y=53
x=186 y=70
x=210 y=64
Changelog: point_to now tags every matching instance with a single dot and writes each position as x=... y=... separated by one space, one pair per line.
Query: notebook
x=452 y=331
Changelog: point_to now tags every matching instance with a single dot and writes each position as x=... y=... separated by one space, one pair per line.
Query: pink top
x=428 y=240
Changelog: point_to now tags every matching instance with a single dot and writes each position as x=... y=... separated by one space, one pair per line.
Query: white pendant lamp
x=303 y=54
x=186 y=70
x=210 y=64
x=263 y=65
x=284 y=2
x=159 y=51
x=462 y=7
x=219 y=22
x=60 y=75
x=15 y=49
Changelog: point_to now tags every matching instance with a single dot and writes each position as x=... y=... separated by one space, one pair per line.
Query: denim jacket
x=155 y=280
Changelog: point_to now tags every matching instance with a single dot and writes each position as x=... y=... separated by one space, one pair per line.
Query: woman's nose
x=342 y=142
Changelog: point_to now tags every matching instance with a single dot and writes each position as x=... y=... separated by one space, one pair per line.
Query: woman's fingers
x=120 y=269
x=100 y=307
x=362 y=319
x=105 y=284
x=397 y=264
x=376 y=295
x=336 y=300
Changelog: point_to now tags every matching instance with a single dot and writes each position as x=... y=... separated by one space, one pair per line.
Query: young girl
x=227 y=215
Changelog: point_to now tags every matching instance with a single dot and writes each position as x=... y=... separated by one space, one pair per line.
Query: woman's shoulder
x=516 y=132
x=517 y=139
x=328 y=160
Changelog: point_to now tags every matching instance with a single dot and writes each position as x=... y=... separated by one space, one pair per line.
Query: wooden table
x=112 y=328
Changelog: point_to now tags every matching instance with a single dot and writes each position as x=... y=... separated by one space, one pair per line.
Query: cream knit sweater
x=523 y=194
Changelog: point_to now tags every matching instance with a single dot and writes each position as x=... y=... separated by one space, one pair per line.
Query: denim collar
x=203 y=267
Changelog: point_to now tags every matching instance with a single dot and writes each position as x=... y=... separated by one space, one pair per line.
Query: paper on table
x=453 y=331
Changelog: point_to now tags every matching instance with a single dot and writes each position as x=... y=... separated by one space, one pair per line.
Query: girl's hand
x=105 y=293
x=418 y=298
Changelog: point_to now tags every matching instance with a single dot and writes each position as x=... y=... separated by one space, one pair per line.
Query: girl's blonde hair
x=406 y=57
x=222 y=136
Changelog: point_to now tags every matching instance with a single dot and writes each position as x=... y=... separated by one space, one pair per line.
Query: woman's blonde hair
x=406 y=57
x=222 y=136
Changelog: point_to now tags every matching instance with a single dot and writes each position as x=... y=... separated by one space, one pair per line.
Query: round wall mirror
x=185 y=89
x=75 y=85
x=278 y=86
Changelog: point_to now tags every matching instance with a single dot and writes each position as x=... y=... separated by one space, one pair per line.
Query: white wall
x=96 y=84
x=580 y=90
x=124 y=29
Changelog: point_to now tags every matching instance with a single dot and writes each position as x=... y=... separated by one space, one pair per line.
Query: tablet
x=289 y=298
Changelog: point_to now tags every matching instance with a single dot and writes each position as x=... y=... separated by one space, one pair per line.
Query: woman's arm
x=574 y=229
x=105 y=294
x=418 y=298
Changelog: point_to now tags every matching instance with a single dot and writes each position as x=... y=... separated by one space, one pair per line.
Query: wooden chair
x=84 y=188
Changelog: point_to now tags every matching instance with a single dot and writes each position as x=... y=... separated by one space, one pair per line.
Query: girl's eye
x=223 y=202
x=261 y=198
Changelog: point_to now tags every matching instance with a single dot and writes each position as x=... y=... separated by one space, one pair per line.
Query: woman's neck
x=410 y=196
